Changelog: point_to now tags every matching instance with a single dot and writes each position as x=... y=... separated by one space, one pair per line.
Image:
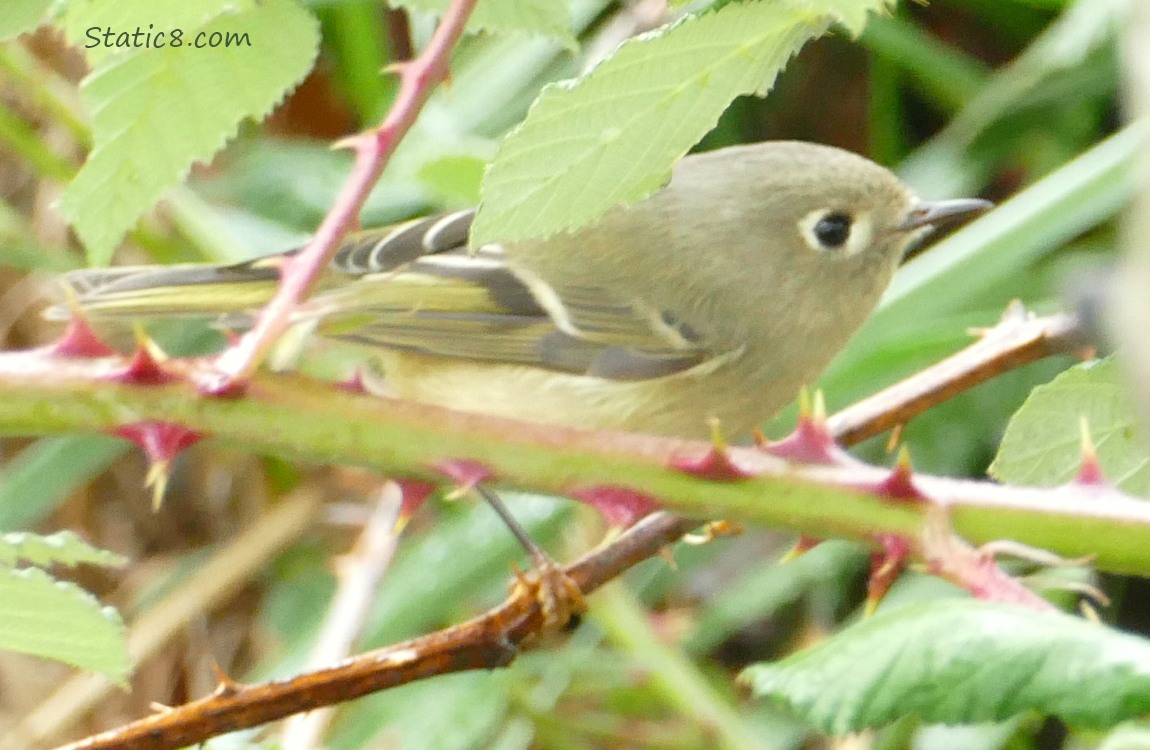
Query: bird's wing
x=444 y=300
x=415 y=287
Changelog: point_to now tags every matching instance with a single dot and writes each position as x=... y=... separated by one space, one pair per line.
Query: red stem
x=373 y=149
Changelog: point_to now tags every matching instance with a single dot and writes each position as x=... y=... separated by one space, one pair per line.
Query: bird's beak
x=940 y=213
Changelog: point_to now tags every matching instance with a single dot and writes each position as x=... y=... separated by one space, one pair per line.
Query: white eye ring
x=831 y=231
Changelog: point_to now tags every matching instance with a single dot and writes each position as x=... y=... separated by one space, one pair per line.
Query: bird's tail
x=156 y=291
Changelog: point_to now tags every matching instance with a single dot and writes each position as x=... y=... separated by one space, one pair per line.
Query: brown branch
x=1017 y=340
x=485 y=642
x=373 y=149
x=493 y=639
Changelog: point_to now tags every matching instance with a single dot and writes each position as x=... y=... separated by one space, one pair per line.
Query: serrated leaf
x=1042 y=445
x=960 y=662
x=157 y=111
x=61 y=548
x=545 y=17
x=86 y=22
x=22 y=15
x=850 y=14
x=59 y=620
x=611 y=137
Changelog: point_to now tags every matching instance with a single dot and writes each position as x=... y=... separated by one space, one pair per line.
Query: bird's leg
x=559 y=597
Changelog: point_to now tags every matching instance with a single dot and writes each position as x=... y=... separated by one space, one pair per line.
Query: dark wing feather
x=415 y=287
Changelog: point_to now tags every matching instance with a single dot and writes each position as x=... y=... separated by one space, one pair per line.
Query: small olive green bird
x=718 y=296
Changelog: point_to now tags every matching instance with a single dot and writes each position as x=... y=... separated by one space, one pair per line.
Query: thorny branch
x=373 y=149
x=493 y=639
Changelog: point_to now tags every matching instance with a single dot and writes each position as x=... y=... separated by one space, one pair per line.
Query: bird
x=717 y=297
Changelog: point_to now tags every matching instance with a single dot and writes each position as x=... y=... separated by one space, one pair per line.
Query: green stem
x=674 y=676
x=297 y=416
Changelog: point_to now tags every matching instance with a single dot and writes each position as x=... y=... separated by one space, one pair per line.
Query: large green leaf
x=158 y=110
x=1043 y=445
x=59 y=620
x=612 y=136
x=963 y=661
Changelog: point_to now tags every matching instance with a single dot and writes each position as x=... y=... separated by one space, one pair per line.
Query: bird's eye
x=833 y=229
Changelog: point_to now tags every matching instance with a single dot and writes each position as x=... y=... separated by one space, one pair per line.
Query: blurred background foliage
x=962 y=97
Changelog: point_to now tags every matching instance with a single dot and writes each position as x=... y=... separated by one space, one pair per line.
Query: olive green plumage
x=718 y=296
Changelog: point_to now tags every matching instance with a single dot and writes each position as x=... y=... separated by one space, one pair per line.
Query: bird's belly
x=682 y=405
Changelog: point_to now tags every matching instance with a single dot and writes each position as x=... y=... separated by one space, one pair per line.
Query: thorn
x=621 y=507
x=161 y=443
x=886 y=567
x=415 y=494
x=895 y=437
x=226 y=685
x=465 y=473
x=669 y=556
x=1090 y=472
x=396 y=68
x=351 y=142
x=78 y=339
x=157 y=479
x=713 y=530
x=1089 y=612
x=802 y=545
x=899 y=484
x=810 y=442
x=356 y=383
x=1014 y=313
x=145 y=367
x=716 y=464
x=820 y=413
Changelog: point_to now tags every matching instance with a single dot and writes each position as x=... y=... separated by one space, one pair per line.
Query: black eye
x=833 y=229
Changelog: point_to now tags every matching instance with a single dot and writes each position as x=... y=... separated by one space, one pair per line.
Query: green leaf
x=63 y=548
x=86 y=24
x=38 y=478
x=544 y=17
x=22 y=15
x=850 y=14
x=159 y=110
x=959 y=662
x=611 y=136
x=58 y=620
x=1043 y=446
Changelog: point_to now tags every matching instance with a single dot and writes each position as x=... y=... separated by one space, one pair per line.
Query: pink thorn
x=803 y=545
x=715 y=465
x=898 y=485
x=221 y=387
x=415 y=494
x=621 y=507
x=80 y=341
x=886 y=567
x=465 y=472
x=144 y=369
x=160 y=441
x=1090 y=472
x=354 y=384
x=810 y=443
